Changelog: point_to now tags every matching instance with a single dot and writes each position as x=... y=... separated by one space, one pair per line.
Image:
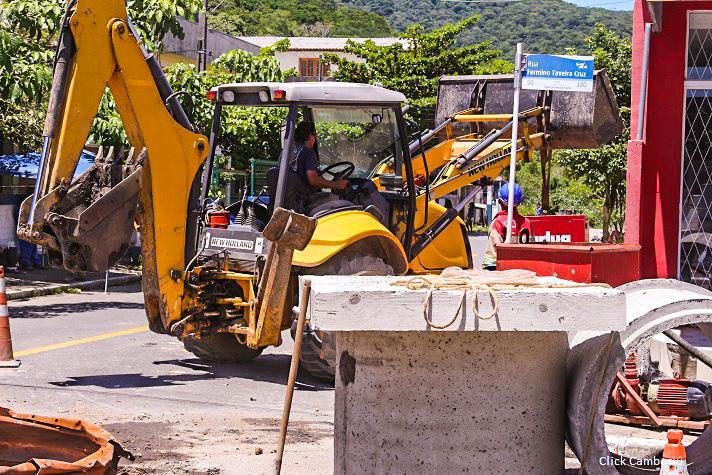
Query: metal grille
x=699 y=54
x=259 y=174
x=696 y=219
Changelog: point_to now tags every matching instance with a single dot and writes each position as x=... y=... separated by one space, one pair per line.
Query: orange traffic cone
x=674 y=461
x=6 y=358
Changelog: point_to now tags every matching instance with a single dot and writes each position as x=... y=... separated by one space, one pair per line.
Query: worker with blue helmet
x=521 y=227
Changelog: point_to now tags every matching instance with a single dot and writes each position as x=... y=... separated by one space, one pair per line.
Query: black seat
x=296 y=195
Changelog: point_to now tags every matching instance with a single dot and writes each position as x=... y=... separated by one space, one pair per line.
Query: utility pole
x=203 y=38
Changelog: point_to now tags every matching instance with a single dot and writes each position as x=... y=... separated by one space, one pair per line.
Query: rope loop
x=473 y=280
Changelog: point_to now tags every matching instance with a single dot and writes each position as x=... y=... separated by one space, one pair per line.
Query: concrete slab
x=485 y=395
x=364 y=303
x=444 y=402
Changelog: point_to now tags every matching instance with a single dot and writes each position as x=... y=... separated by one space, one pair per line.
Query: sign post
x=515 y=132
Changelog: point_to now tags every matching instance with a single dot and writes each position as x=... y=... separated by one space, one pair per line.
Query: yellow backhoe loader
x=227 y=291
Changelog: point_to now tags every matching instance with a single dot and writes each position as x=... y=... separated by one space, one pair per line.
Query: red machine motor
x=681 y=398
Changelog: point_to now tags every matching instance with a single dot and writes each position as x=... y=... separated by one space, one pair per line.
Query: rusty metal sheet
x=39 y=445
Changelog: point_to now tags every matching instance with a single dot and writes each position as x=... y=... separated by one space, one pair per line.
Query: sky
x=609 y=4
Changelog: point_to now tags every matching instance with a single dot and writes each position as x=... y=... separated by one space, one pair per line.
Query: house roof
x=315 y=43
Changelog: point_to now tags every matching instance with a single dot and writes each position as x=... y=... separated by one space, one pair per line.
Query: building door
x=695 y=257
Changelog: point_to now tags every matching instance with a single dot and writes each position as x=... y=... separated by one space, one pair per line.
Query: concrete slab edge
x=60 y=288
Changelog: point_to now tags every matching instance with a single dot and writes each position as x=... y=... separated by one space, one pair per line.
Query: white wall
x=290 y=59
x=7 y=225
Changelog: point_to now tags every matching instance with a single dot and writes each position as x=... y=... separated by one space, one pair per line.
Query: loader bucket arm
x=86 y=225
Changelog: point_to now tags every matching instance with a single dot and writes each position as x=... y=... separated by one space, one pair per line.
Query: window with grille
x=309 y=67
x=696 y=210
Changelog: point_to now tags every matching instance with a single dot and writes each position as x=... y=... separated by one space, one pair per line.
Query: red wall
x=654 y=166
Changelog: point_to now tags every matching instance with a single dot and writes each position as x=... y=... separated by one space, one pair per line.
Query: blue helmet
x=504 y=194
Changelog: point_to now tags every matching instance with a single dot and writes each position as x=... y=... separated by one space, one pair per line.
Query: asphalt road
x=89 y=356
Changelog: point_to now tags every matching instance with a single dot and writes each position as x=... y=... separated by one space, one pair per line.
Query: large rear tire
x=220 y=348
x=319 y=347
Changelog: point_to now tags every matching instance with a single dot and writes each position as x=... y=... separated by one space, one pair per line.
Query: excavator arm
x=87 y=225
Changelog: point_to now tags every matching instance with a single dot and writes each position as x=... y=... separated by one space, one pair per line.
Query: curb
x=635 y=447
x=59 y=288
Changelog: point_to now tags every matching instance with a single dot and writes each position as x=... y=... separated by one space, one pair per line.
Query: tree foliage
x=28 y=36
x=544 y=26
x=414 y=65
x=297 y=18
x=604 y=169
x=245 y=132
x=567 y=194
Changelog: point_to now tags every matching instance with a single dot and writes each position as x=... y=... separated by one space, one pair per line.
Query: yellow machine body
x=336 y=232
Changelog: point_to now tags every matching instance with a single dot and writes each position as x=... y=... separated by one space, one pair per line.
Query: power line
x=609 y=3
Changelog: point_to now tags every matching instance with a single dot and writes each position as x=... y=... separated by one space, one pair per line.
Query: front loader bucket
x=576 y=119
x=91 y=224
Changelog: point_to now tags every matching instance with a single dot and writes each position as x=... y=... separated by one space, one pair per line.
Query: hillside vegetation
x=544 y=26
x=298 y=18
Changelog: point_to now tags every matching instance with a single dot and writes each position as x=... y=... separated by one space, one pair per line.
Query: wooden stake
x=294 y=366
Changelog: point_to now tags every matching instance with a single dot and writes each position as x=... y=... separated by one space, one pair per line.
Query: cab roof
x=326 y=92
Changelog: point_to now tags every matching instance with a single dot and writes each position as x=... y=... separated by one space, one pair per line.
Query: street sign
x=558 y=73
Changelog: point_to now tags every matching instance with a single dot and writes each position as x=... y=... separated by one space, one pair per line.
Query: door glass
x=696 y=219
x=699 y=46
x=364 y=136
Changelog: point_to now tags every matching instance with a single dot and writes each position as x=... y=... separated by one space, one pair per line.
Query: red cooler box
x=613 y=264
x=560 y=228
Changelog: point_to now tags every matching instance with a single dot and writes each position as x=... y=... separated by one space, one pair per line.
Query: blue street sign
x=558 y=73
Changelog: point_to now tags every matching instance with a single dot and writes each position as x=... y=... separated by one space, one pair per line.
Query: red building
x=669 y=199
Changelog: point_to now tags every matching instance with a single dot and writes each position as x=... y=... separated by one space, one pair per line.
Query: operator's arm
x=311 y=167
x=318 y=182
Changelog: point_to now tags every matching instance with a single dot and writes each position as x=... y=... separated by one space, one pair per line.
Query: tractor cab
x=360 y=137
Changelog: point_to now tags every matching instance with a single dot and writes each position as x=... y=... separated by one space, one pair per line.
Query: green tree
x=246 y=132
x=28 y=35
x=543 y=26
x=297 y=18
x=604 y=169
x=413 y=65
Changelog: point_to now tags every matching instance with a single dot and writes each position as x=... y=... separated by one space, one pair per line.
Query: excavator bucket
x=574 y=120
x=91 y=224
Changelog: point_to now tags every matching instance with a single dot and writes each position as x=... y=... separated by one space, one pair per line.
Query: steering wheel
x=343 y=174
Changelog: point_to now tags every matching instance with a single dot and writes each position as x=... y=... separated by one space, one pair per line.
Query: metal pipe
x=40 y=178
x=513 y=156
x=426 y=137
x=284 y=157
x=293 y=367
x=65 y=52
x=164 y=88
x=643 y=81
x=210 y=161
x=688 y=347
x=467 y=199
x=480 y=146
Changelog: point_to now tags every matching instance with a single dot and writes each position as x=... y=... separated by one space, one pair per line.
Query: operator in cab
x=521 y=226
x=304 y=162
